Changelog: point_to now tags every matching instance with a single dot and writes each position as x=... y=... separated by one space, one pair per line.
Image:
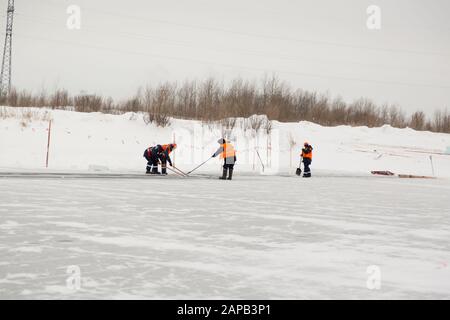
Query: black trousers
x=306 y=169
x=229 y=163
x=164 y=165
x=151 y=162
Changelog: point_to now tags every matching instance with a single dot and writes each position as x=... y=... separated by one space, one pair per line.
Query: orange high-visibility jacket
x=228 y=151
x=307 y=152
x=165 y=147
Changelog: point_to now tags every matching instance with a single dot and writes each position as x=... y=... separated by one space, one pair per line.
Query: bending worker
x=151 y=155
x=164 y=156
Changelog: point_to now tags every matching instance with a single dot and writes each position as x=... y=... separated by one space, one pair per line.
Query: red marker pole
x=174 y=150
x=48 y=141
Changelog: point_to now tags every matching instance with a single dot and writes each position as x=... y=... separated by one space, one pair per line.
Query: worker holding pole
x=228 y=154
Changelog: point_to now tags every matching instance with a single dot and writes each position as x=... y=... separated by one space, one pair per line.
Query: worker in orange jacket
x=151 y=155
x=307 y=159
x=164 y=156
x=227 y=152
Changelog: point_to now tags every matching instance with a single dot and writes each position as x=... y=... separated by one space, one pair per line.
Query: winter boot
x=230 y=174
x=148 y=170
x=164 y=171
x=307 y=174
x=155 y=170
x=224 y=174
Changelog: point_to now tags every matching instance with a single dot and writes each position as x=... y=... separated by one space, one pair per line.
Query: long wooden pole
x=48 y=142
x=199 y=166
x=262 y=164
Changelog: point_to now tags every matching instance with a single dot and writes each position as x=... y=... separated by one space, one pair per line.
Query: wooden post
x=174 y=152
x=432 y=167
x=290 y=157
x=48 y=141
x=253 y=168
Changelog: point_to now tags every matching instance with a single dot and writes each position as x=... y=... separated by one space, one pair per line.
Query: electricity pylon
x=5 y=80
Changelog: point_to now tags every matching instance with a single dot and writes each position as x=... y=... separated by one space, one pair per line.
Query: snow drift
x=104 y=142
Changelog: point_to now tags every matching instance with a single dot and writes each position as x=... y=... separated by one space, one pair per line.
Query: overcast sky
x=320 y=45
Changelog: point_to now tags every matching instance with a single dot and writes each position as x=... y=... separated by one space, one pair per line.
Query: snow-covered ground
x=115 y=143
x=266 y=234
x=258 y=237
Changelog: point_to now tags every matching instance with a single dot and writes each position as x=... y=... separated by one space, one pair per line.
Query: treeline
x=211 y=100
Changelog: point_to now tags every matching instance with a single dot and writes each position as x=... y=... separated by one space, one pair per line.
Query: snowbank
x=103 y=142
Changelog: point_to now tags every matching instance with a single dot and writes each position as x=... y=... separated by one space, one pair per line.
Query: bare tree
x=211 y=101
x=60 y=99
x=417 y=120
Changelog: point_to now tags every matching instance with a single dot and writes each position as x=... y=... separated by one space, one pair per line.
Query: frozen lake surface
x=256 y=237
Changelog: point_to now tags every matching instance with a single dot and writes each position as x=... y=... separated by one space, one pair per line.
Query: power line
x=312 y=75
x=232 y=50
x=263 y=36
